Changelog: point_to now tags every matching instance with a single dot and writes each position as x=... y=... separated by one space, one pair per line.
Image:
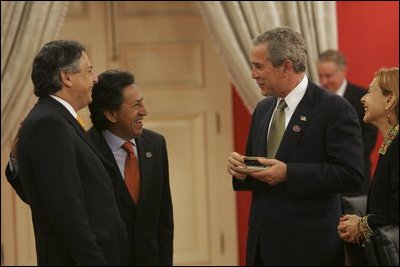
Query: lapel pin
x=148 y=154
x=303 y=118
x=296 y=128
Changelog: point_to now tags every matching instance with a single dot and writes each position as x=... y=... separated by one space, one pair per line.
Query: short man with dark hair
x=140 y=165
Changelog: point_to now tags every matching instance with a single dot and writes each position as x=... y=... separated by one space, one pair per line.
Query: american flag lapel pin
x=303 y=118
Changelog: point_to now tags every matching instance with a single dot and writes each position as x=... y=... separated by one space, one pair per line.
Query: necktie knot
x=282 y=105
x=128 y=147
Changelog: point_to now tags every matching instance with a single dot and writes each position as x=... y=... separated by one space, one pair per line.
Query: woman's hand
x=348 y=228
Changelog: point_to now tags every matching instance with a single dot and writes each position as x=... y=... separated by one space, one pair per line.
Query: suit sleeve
x=54 y=162
x=341 y=167
x=166 y=222
x=12 y=174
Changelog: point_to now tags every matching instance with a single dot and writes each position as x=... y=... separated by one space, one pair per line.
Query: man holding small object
x=310 y=144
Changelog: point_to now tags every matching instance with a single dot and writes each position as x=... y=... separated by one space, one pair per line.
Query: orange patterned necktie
x=132 y=177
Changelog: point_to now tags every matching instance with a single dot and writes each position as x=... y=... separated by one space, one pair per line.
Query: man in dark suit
x=332 y=69
x=296 y=199
x=74 y=209
x=117 y=113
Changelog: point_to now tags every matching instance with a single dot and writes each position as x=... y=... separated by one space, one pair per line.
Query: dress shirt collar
x=115 y=142
x=295 y=96
x=342 y=88
x=66 y=105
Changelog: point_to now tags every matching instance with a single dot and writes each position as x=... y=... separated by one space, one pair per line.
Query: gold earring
x=388 y=117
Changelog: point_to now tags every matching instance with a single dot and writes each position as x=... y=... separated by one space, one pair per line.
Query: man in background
x=332 y=69
x=140 y=166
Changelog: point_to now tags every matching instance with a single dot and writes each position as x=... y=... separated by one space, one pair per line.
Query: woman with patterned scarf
x=381 y=105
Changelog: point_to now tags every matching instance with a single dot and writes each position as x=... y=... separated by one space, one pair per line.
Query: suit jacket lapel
x=109 y=156
x=82 y=133
x=296 y=127
x=145 y=156
x=68 y=116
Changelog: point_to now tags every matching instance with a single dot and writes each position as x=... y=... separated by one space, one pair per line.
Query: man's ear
x=110 y=115
x=66 y=78
x=287 y=66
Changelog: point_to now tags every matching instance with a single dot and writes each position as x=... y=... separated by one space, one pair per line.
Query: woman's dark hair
x=107 y=95
x=54 y=57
